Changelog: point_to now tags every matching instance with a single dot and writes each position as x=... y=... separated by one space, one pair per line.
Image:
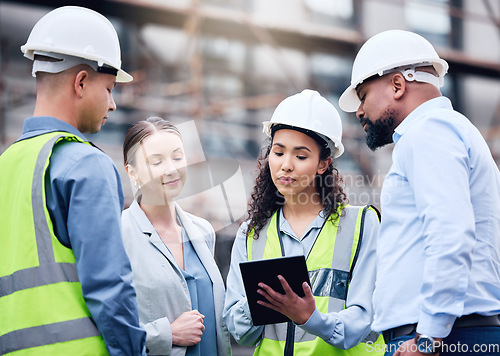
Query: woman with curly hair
x=298 y=207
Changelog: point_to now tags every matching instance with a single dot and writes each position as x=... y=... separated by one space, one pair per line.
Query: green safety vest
x=42 y=310
x=330 y=263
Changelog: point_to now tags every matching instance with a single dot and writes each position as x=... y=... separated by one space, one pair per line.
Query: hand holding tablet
x=285 y=294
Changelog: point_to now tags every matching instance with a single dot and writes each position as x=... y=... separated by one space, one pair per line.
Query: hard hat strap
x=411 y=74
x=421 y=76
x=107 y=70
x=63 y=62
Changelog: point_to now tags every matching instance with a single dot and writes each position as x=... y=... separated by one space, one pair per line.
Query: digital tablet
x=293 y=269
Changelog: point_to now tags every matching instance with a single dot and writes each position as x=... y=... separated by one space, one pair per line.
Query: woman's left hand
x=298 y=309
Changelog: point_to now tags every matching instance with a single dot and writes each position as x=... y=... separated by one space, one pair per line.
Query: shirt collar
x=415 y=115
x=285 y=227
x=38 y=125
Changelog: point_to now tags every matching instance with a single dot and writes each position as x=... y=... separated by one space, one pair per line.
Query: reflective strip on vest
x=48 y=272
x=329 y=263
x=332 y=282
x=47 y=334
x=38 y=276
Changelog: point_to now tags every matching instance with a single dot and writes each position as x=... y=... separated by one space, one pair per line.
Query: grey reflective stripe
x=345 y=238
x=327 y=282
x=42 y=232
x=47 y=335
x=38 y=276
x=258 y=245
x=277 y=332
x=342 y=257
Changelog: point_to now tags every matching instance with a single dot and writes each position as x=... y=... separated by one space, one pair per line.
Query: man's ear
x=398 y=84
x=323 y=165
x=80 y=81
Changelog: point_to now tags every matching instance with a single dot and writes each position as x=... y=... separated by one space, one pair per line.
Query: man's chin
x=374 y=143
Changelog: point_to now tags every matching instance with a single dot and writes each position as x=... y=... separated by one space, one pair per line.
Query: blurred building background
x=218 y=68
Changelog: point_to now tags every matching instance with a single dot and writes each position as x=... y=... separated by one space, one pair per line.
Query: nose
x=112 y=105
x=360 y=113
x=170 y=168
x=287 y=165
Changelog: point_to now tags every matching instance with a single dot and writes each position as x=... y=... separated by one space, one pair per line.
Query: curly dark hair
x=266 y=199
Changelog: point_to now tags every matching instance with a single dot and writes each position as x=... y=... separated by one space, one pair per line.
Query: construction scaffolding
x=226 y=64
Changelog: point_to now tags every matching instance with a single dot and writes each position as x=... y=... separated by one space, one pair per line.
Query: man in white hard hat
x=438 y=266
x=65 y=279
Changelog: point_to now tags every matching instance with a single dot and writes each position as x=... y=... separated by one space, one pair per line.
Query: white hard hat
x=78 y=32
x=308 y=110
x=387 y=51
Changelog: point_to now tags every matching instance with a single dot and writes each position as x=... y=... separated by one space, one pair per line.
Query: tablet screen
x=293 y=269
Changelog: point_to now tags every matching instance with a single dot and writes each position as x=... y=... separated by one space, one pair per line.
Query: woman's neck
x=299 y=210
x=305 y=203
x=161 y=216
x=300 y=214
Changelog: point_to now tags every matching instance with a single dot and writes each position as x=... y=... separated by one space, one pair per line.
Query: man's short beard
x=380 y=132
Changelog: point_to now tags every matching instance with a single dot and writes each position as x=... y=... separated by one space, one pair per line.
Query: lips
x=286 y=180
x=171 y=182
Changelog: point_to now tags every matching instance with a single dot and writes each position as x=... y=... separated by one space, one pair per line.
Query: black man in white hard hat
x=438 y=267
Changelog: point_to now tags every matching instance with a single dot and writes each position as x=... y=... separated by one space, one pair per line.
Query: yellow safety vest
x=330 y=263
x=42 y=310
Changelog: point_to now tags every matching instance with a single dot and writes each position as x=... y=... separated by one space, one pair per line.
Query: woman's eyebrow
x=298 y=148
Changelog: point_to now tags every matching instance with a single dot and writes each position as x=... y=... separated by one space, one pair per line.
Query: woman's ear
x=131 y=172
x=323 y=165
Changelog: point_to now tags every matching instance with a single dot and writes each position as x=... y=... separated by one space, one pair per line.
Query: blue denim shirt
x=85 y=199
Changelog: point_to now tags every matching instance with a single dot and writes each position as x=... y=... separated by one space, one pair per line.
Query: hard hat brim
x=123 y=77
x=349 y=101
x=339 y=149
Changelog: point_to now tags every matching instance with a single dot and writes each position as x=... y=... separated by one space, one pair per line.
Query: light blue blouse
x=201 y=293
x=343 y=329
